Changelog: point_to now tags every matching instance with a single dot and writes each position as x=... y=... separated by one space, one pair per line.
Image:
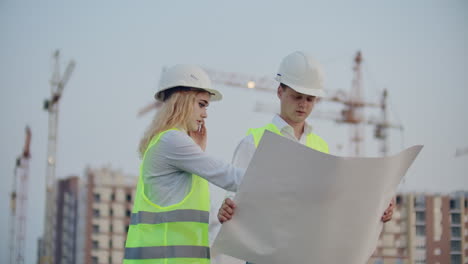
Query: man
x=301 y=83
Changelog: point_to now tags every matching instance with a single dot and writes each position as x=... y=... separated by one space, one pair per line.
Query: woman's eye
x=201 y=105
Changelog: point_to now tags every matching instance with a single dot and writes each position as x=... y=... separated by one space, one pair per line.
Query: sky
x=418 y=50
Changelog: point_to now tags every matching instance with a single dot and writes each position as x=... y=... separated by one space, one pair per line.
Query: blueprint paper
x=298 y=205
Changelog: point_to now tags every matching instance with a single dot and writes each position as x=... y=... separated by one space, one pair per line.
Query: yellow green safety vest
x=173 y=234
x=313 y=141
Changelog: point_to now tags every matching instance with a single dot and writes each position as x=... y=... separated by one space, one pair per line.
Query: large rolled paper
x=298 y=205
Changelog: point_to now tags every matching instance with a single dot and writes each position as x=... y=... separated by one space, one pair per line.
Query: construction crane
x=51 y=105
x=19 y=202
x=354 y=115
x=351 y=114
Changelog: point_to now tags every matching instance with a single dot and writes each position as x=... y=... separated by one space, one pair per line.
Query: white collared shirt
x=246 y=148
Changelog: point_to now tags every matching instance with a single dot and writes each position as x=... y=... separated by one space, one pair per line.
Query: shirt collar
x=283 y=125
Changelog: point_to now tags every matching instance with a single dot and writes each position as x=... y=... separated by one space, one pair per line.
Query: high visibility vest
x=313 y=141
x=173 y=234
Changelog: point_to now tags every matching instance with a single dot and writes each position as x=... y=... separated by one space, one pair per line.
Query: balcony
x=420 y=218
x=455 y=219
x=455 y=247
x=455 y=233
x=455 y=206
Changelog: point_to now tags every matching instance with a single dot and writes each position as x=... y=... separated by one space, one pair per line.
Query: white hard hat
x=302 y=73
x=183 y=75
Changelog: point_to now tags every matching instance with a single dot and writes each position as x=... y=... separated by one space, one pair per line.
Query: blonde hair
x=174 y=113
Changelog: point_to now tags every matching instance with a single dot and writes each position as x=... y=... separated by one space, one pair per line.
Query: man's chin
x=300 y=118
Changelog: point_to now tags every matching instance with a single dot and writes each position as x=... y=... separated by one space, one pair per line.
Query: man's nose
x=303 y=102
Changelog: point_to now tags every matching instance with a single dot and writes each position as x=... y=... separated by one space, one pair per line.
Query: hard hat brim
x=319 y=92
x=309 y=91
x=215 y=94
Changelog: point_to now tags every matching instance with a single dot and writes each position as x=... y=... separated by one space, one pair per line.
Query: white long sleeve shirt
x=169 y=165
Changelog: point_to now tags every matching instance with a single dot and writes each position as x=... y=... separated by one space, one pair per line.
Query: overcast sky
x=418 y=50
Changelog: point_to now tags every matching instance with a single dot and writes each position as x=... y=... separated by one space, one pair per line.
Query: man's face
x=295 y=107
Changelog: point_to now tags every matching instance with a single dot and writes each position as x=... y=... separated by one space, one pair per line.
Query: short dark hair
x=284 y=86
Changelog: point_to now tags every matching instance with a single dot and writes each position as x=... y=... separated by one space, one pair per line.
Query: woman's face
x=202 y=100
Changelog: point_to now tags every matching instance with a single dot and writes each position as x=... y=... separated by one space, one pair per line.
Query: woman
x=169 y=222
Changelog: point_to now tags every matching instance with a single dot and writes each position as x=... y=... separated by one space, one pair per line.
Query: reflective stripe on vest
x=167 y=252
x=173 y=234
x=188 y=215
x=313 y=141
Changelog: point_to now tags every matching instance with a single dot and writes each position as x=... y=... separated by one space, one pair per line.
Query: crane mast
x=355 y=109
x=19 y=202
x=51 y=105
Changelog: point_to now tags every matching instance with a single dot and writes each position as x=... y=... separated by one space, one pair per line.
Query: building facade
x=65 y=243
x=93 y=216
x=426 y=228
x=109 y=201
